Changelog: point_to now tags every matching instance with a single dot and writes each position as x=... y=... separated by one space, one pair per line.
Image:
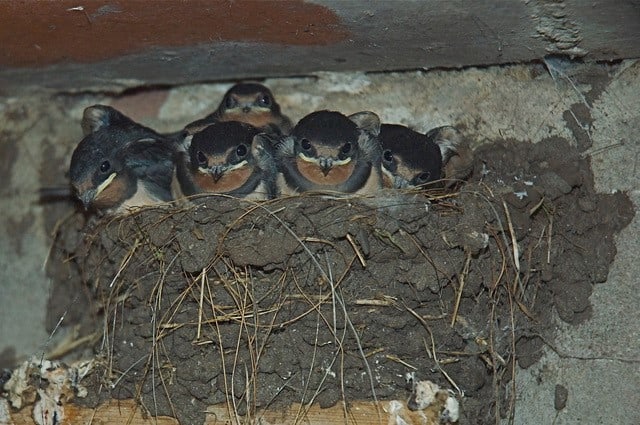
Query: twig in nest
x=512 y=398
x=124 y=373
x=297 y=238
x=70 y=343
x=203 y=275
x=375 y=303
x=348 y=321
x=356 y=250
x=434 y=317
x=339 y=341
x=514 y=242
x=494 y=374
x=384 y=235
x=593 y=152
x=516 y=250
x=463 y=275
x=399 y=360
x=326 y=242
x=426 y=257
x=54 y=233
x=375 y=351
x=549 y=235
x=503 y=265
x=304 y=408
x=154 y=359
x=230 y=412
x=321 y=299
x=514 y=258
x=536 y=207
x=125 y=261
x=433 y=353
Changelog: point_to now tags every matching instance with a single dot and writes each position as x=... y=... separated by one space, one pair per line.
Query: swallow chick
x=230 y=158
x=120 y=164
x=328 y=151
x=409 y=159
x=251 y=103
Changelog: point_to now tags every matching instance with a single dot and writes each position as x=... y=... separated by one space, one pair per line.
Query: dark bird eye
x=202 y=158
x=424 y=177
x=346 y=148
x=306 y=144
x=264 y=100
x=105 y=166
x=241 y=151
x=229 y=102
x=387 y=155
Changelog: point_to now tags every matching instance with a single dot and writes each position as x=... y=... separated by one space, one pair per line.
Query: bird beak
x=87 y=197
x=246 y=109
x=217 y=171
x=325 y=164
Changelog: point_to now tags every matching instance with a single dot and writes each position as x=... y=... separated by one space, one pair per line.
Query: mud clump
x=318 y=299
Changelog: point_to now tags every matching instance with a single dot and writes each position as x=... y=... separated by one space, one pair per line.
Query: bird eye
x=264 y=100
x=387 y=155
x=202 y=158
x=229 y=102
x=306 y=144
x=346 y=148
x=424 y=177
x=105 y=166
x=241 y=150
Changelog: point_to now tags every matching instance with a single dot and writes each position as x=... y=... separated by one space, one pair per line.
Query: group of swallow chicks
x=248 y=149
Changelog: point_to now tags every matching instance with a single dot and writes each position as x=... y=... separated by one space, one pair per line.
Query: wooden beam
x=128 y=412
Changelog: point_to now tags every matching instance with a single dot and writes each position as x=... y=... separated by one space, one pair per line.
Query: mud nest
x=315 y=299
